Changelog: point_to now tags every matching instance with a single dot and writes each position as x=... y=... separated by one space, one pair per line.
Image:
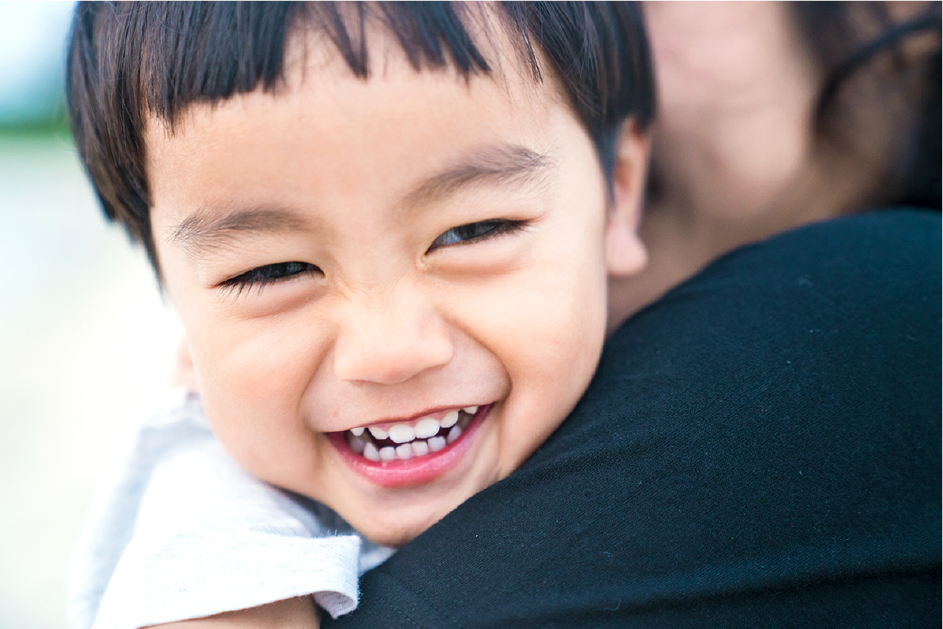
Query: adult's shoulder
x=833 y=329
x=872 y=247
x=866 y=279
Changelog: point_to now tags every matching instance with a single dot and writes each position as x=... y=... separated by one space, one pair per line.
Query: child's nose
x=389 y=345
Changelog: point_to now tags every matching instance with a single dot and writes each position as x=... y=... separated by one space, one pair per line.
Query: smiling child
x=391 y=267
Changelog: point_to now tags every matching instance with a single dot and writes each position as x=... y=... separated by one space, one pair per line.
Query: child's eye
x=268 y=274
x=476 y=231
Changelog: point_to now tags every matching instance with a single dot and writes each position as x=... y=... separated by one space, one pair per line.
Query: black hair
x=130 y=61
x=873 y=89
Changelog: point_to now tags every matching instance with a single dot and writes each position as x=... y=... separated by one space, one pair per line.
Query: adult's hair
x=879 y=105
x=129 y=62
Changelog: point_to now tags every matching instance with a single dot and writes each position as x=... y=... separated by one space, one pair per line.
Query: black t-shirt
x=760 y=448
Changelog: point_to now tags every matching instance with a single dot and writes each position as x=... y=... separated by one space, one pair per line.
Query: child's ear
x=183 y=372
x=626 y=255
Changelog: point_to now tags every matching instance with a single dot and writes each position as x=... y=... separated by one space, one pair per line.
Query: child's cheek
x=253 y=375
x=546 y=325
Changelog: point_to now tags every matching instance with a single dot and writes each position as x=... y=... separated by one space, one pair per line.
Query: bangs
x=129 y=61
x=206 y=52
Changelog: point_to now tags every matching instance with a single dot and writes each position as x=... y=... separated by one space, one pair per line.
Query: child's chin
x=393 y=541
x=394 y=537
x=396 y=527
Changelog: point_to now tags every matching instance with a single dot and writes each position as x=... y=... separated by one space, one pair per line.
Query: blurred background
x=85 y=338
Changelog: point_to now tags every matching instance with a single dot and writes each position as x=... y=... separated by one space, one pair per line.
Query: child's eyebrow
x=504 y=163
x=209 y=229
x=201 y=232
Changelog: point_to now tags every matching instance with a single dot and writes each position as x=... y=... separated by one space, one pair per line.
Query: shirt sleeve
x=179 y=531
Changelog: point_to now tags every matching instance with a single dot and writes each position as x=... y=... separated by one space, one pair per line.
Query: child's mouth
x=404 y=441
x=406 y=454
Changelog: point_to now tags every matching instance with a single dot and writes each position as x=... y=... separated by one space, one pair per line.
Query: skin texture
x=349 y=178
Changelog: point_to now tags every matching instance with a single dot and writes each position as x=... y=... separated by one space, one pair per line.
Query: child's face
x=428 y=245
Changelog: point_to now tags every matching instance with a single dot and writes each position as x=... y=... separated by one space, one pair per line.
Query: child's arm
x=293 y=613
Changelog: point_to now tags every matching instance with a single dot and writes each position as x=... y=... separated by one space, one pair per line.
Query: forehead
x=372 y=49
x=397 y=123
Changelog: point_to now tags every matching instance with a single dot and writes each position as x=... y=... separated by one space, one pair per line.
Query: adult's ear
x=626 y=255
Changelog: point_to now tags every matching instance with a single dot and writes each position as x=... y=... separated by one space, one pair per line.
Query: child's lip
x=415 y=471
x=436 y=412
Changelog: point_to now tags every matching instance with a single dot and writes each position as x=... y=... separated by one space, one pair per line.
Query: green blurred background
x=85 y=339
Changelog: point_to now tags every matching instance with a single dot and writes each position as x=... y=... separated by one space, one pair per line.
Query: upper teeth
x=401 y=433
x=378 y=433
x=426 y=427
x=416 y=439
x=449 y=420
